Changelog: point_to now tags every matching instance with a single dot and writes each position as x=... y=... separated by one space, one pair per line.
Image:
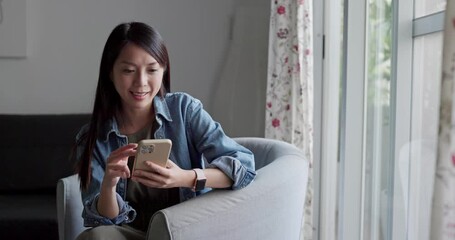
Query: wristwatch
x=199 y=182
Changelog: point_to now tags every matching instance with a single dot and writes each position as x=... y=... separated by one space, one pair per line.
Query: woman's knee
x=109 y=232
x=100 y=232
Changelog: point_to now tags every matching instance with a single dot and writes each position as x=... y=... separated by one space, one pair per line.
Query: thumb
x=170 y=164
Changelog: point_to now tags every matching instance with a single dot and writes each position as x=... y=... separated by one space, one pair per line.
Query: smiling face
x=137 y=77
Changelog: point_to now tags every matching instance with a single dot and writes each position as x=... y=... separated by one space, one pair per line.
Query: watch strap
x=199 y=182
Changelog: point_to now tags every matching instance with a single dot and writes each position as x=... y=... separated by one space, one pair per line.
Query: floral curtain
x=443 y=212
x=289 y=110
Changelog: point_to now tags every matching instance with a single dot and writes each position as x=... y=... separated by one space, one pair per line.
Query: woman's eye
x=127 y=70
x=153 y=70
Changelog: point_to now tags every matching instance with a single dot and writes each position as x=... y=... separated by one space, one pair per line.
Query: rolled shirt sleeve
x=92 y=218
x=220 y=151
x=233 y=168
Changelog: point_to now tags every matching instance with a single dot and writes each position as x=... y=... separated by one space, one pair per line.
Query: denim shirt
x=195 y=137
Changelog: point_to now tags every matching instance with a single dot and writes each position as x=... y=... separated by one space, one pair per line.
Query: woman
x=132 y=103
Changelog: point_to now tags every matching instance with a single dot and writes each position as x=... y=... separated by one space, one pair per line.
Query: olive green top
x=145 y=200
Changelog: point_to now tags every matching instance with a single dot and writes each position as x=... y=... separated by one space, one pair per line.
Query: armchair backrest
x=266 y=150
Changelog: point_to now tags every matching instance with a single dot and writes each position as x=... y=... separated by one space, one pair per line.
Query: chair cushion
x=28 y=217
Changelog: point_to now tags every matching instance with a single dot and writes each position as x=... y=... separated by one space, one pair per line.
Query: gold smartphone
x=155 y=150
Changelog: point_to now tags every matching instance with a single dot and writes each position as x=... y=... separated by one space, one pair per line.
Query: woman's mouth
x=139 y=95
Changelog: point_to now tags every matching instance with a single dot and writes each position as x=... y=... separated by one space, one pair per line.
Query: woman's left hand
x=164 y=177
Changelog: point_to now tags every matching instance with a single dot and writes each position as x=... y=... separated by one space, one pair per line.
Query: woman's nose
x=141 y=78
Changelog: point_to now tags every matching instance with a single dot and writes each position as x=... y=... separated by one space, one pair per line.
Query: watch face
x=200 y=184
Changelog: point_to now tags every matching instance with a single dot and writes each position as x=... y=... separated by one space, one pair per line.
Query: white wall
x=239 y=96
x=65 y=39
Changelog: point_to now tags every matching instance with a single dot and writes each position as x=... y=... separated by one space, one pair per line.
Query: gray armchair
x=269 y=208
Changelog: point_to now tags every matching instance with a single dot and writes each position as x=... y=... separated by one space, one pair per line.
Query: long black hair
x=107 y=100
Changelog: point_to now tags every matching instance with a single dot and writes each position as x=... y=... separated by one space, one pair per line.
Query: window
x=389 y=104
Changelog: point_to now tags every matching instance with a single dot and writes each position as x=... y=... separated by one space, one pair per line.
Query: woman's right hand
x=117 y=165
x=116 y=168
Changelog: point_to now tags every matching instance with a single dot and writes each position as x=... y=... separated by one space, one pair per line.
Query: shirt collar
x=161 y=111
x=161 y=108
x=110 y=127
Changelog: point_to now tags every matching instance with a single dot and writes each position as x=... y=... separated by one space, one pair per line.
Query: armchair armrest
x=269 y=208
x=69 y=208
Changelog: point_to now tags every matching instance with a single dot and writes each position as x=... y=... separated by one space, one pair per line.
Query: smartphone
x=155 y=150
